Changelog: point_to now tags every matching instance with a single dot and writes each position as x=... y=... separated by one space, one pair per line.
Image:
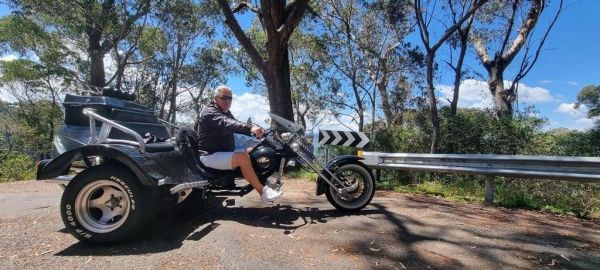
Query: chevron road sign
x=343 y=138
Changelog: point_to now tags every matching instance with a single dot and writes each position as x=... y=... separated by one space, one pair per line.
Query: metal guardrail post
x=490 y=187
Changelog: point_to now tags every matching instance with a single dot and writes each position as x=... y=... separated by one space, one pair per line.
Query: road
x=302 y=231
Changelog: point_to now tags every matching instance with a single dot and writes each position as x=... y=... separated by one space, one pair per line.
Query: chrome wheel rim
x=361 y=189
x=102 y=206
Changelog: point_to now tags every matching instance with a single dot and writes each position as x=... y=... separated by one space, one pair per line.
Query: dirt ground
x=302 y=231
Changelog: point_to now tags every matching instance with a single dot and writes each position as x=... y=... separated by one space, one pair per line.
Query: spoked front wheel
x=363 y=188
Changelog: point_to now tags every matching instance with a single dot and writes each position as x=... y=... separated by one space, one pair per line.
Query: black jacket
x=216 y=128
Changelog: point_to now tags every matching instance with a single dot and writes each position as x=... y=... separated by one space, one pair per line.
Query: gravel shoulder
x=301 y=231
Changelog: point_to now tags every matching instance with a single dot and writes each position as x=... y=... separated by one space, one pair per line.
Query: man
x=215 y=136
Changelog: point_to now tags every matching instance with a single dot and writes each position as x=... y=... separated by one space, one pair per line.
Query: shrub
x=16 y=167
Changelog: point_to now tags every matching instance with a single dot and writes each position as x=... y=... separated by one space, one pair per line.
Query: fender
x=48 y=169
x=333 y=165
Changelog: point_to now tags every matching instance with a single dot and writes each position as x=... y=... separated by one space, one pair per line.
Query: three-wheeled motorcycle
x=130 y=160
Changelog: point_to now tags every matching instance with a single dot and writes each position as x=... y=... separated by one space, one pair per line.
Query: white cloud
x=573 y=83
x=5 y=96
x=257 y=107
x=251 y=105
x=584 y=123
x=533 y=94
x=10 y=57
x=476 y=94
x=569 y=108
x=578 y=117
x=545 y=81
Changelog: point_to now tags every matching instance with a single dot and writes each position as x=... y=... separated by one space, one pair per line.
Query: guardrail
x=519 y=166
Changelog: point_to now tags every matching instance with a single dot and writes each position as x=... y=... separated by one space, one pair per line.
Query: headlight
x=295 y=146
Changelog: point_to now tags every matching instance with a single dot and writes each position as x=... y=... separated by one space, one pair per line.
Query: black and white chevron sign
x=343 y=138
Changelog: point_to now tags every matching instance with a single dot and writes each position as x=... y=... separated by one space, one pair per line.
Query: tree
x=508 y=42
x=431 y=48
x=278 y=19
x=370 y=58
x=459 y=41
x=35 y=116
x=590 y=97
x=104 y=23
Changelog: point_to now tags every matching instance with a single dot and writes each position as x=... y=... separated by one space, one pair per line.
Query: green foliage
x=590 y=97
x=573 y=143
x=304 y=174
x=15 y=167
x=473 y=131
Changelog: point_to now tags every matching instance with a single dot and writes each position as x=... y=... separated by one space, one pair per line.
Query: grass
x=302 y=174
x=560 y=197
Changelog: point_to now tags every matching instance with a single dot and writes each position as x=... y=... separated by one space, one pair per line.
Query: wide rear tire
x=352 y=174
x=107 y=204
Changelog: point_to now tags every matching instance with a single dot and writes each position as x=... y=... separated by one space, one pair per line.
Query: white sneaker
x=269 y=194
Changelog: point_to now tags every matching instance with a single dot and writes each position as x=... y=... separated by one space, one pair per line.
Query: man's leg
x=242 y=160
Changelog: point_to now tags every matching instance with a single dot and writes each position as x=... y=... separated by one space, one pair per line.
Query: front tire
x=353 y=175
x=107 y=204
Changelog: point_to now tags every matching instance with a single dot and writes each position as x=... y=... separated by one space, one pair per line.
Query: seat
x=159 y=147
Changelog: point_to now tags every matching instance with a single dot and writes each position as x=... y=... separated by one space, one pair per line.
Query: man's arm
x=222 y=121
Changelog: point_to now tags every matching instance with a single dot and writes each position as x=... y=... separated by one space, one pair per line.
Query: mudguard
x=48 y=169
x=335 y=163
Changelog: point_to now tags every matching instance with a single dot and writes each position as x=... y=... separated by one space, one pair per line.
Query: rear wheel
x=363 y=184
x=107 y=204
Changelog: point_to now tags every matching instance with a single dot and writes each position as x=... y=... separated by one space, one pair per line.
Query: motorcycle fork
x=345 y=188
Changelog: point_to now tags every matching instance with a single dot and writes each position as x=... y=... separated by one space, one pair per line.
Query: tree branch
x=532 y=17
x=233 y=24
x=297 y=9
x=526 y=67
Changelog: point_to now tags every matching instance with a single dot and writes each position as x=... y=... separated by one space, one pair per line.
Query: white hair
x=220 y=89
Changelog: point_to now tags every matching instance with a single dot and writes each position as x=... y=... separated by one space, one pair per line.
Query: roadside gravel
x=302 y=231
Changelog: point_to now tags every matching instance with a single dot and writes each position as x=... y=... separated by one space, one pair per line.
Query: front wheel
x=355 y=176
x=107 y=204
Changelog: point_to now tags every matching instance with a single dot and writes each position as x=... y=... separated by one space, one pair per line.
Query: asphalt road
x=302 y=231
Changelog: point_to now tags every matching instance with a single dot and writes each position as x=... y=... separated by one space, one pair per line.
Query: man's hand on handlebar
x=257 y=131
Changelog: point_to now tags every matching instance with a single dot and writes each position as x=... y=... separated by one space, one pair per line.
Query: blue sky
x=570 y=60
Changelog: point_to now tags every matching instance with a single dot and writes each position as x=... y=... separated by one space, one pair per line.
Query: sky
x=570 y=60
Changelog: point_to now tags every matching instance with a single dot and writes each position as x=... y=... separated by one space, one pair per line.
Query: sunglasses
x=226 y=98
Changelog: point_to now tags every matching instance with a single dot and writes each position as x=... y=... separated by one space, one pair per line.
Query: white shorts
x=218 y=160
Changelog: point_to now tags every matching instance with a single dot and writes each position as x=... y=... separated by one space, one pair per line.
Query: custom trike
x=128 y=168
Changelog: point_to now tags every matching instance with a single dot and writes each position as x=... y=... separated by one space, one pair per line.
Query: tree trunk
x=385 y=102
x=277 y=77
x=503 y=98
x=97 y=75
x=458 y=74
x=435 y=120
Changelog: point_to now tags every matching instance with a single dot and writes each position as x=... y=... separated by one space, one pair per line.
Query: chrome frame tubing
x=310 y=161
x=107 y=125
x=169 y=123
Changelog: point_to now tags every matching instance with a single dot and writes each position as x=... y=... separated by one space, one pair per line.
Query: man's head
x=223 y=98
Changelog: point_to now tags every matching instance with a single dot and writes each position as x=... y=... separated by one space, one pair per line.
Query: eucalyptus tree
x=393 y=64
x=505 y=28
x=342 y=23
x=307 y=80
x=185 y=26
x=278 y=19
x=103 y=23
x=35 y=115
x=208 y=68
x=425 y=12
x=458 y=42
x=590 y=97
